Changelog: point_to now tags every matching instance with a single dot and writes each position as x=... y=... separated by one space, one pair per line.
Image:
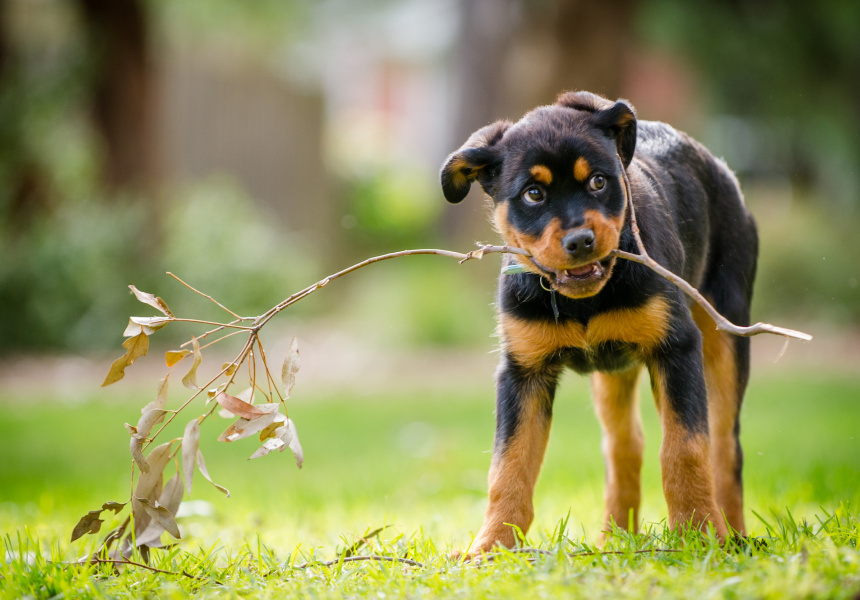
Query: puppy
x=556 y=182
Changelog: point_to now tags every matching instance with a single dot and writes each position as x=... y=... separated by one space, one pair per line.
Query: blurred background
x=254 y=147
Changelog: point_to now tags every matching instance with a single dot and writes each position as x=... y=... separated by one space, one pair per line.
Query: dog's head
x=557 y=186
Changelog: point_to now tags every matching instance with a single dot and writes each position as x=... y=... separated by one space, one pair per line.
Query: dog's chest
x=608 y=341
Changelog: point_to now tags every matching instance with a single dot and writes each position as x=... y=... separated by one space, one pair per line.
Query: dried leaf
x=161 y=516
x=243 y=409
x=286 y=436
x=149 y=483
x=148 y=420
x=154 y=301
x=269 y=445
x=139 y=435
x=160 y=397
x=201 y=464
x=171 y=495
x=229 y=368
x=171 y=357
x=269 y=431
x=89 y=523
x=190 y=443
x=291 y=367
x=170 y=498
x=247 y=427
x=295 y=444
x=246 y=395
x=190 y=379
x=135 y=446
x=135 y=348
x=114 y=506
x=147 y=325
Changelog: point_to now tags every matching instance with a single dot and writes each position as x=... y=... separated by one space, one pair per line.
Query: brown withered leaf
x=135 y=446
x=243 y=428
x=170 y=498
x=190 y=379
x=171 y=357
x=171 y=495
x=295 y=444
x=149 y=483
x=285 y=436
x=291 y=366
x=161 y=516
x=154 y=301
x=190 y=443
x=228 y=368
x=135 y=347
x=160 y=397
x=139 y=435
x=201 y=464
x=269 y=431
x=89 y=523
x=274 y=443
x=148 y=420
x=243 y=409
x=147 y=325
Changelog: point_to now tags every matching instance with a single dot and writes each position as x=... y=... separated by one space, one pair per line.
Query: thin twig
x=195 y=290
x=131 y=563
x=406 y=561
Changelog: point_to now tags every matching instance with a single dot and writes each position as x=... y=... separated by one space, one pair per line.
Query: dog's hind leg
x=726 y=362
x=616 y=402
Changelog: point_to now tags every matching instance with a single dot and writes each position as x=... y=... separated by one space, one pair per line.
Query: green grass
x=417 y=464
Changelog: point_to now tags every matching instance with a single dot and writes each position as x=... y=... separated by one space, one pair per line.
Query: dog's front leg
x=678 y=383
x=524 y=397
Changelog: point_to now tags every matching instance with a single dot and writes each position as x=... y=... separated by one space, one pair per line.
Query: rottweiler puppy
x=556 y=182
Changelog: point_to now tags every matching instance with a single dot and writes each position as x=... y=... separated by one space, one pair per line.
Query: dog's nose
x=579 y=243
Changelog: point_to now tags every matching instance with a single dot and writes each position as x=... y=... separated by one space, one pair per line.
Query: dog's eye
x=533 y=195
x=597 y=183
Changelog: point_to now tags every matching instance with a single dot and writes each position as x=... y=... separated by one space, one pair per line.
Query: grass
x=417 y=465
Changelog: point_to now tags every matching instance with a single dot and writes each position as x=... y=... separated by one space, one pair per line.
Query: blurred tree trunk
x=123 y=94
x=513 y=55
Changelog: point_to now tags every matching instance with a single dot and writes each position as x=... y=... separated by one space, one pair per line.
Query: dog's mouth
x=577 y=281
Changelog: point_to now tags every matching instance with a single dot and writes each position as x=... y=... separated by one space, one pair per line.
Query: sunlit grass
x=417 y=464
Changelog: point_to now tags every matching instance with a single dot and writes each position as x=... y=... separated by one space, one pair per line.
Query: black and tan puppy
x=555 y=178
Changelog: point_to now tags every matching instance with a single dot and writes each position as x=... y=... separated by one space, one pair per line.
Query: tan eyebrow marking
x=541 y=174
x=581 y=169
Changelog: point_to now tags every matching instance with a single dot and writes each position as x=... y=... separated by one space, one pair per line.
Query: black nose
x=579 y=243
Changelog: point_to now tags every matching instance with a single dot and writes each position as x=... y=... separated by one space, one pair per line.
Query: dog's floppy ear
x=618 y=119
x=463 y=166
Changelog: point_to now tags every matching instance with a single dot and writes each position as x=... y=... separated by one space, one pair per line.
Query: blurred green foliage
x=71 y=249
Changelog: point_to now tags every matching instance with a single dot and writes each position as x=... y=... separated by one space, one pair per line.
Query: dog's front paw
x=485 y=542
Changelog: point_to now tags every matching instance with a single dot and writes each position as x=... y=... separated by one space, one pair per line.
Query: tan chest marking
x=532 y=342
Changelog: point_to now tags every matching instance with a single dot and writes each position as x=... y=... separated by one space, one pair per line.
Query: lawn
x=416 y=464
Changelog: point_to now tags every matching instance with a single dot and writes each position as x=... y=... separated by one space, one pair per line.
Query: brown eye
x=596 y=183
x=533 y=195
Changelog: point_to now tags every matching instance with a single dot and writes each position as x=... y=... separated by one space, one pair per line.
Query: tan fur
x=607 y=231
x=721 y=378
x=616 y=402
x=514 y=472
x=685 y=463
x=532 y=342
x=581 y=169
x=541 y=174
